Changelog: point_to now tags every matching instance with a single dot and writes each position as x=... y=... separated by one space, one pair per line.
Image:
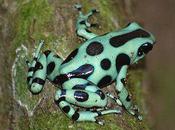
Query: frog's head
x=140 y=43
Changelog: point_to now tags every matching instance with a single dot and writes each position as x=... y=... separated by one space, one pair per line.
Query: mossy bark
x=23 y=23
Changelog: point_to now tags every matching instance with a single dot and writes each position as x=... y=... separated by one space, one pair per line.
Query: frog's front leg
x=83 y=93
x=123 y=94
x=44 y=65
x=82 y=24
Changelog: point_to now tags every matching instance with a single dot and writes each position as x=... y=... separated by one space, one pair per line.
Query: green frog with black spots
x=97 y=63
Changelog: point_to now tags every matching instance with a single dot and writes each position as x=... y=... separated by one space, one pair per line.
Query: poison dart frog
x=97 y=63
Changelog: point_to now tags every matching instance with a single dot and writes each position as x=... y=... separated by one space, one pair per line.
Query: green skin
x=79 y=75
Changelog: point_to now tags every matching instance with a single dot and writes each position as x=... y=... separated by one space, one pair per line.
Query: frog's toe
x=134 y=110
x=95 y=11
x=140 y=117
x=100 y=122
x=28 y=63
x=77 y=6
x=118 y=110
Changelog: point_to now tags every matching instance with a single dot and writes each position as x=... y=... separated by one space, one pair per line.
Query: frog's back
x=94 y=60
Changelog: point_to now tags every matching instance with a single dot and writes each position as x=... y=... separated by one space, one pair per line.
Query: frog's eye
x=144 y=49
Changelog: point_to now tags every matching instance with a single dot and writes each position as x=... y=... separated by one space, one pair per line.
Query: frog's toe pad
x=95 y=11
x=135 y=112
x=140 y=117
x=77 y=6
x=100 y=122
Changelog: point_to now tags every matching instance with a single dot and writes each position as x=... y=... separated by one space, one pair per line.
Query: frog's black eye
x=144 y=49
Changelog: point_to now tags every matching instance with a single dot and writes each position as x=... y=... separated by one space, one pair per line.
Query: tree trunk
x=23 y=23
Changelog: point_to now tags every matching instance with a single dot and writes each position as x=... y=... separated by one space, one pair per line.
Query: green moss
x=105 y=15
x=58 y=120
x=31 y=21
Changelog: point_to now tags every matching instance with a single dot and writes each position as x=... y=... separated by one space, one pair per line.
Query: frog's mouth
x=135 y=58
x=135 y=61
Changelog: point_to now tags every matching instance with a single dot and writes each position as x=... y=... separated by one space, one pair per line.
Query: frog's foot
x=78 y=6
x=75 y=115
x=100 y=122
x=104 y=112
x=134 y=110
x=82 y=24
x=114 y=98
x=88 y=96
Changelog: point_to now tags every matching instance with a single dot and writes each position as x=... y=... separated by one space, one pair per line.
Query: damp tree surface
x=23 y=24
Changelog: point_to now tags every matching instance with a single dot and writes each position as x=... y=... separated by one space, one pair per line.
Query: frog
x=97 y=63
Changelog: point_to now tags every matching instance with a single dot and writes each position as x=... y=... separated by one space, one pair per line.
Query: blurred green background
x=159 y=18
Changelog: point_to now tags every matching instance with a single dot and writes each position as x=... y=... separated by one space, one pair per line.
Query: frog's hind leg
x=82 y=23
x=82 y=93
x=43 y=66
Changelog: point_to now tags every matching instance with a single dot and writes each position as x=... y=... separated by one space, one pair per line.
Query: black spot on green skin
x=128 y=24
x=50 y=67
x=63 y=92
x=38 y=66
x=38 y=81
x=101 y=94
x=81 y=96
x=123 y=81
x=106 y=80
x=82 y=86
x=60 y=79
x=120 y=40
x=75 y=116
x=71 y=56
x=88 y=31
x=83 y=71
x=56 y=56
x=99 y=113
x=66 y=109
x=35 y=58
x=128 y=98
x=59 y=100
x=35 y=93
x=31 y=69
x=82 y=22
x=105 y=64
x=122 y=59
x=47 y=52
x=28 y=79
x=94 y=48
x=79 y=86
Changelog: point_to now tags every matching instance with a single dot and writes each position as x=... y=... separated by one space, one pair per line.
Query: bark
x=23 y=23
